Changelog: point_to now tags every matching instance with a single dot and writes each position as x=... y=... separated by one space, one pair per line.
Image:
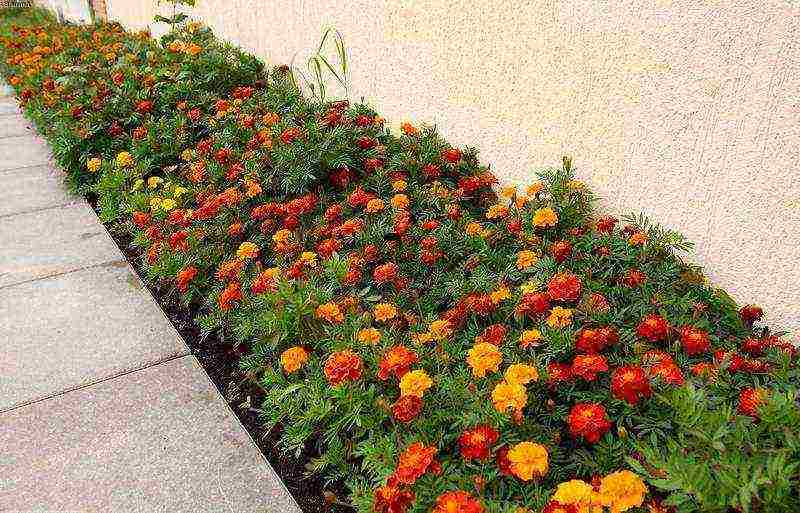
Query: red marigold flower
x=483 y=304
x=557 y=507
x=493 y=334
x=385 y=273
x=704 y=369
x=633 y=278
x=503 y=463
x=561 y=250
x=396 y=361
x=264 y=282
x=629 y=383
x=141 y=219
x=392 y=499
x=328 y=247
x=457 y=502
x=343 y=366
x=558 y=372
x=407 y=408
x=452 y=155
x=177 y=241
x=414 y=462
x=750 y=399
x=564 y=286
x=606 y=224
x=476 y=443
x=669 y=372
x=694 y=340
x=594 y=340
x=186 y=276
x=231 y=293
x=290 y=134
x=533 y=304
x=656 y=356
x=153 y=233
x=653 y=327
x=588 y=420
x=587 y=366
x=750 y=314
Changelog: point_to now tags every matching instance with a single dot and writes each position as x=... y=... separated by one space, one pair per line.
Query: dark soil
x=220 y=360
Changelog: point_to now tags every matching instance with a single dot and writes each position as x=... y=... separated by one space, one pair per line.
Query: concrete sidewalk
x=102 y=408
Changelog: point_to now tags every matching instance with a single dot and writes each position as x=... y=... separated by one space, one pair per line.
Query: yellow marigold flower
x=500 y=294
x=330 y=312
x=399 y=185
x=574 y=493
x=415 y=383
x=187 y=155
x=530 y=338
x=508 y=192
x=94 y=164
x=309 y=258
x=528 y=460
x=526 y=259
x=124 y=159
x=521 y=373
x=155 y=203
x=622 y=491
x=440 y=329
x=400 y=201
x=294 y=358
x=534 y=188
x=369 y=336
x=247 y=250
x=154 y=181
x=484 y=357
x=509 y=395
x=384 y=312
x=497 y=211
x=474 y=228
x=530 y=286
x=575 y=184
x=545 y=217
x=559 y=317
x=281 y=236
x=168 y=204
x=374 y=205
x=421 y=338
x=179 y=191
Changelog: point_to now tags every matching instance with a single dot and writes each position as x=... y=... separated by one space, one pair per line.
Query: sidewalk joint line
x=35 y=210
x=43 y=164
x=70 y=271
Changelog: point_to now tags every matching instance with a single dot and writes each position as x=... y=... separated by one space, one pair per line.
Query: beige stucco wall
x=686 y=110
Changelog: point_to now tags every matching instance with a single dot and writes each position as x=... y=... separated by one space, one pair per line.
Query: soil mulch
x=220 y=360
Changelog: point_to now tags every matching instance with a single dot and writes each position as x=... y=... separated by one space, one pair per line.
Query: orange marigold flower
x=186 y=276
x=408 y=128
x=265 y=281
x=474 y=228
x=509 y=395
x=247 y=250
x=384 y=312
x=476 y=443
x=629 y=383
x=440 y=329
x=392 y=499
x=343 y=366
x=622 y=491
x=578 y=493
x=653 y=327
x=484 y=357
x=564 y=286
x=545 y=217
x=407 y=408
x=588 y=420
x=330 y=312
x=559 y=317
x=374 y=205
x=750 y=399
x=526 y=259
x=399 y=185
x=457 y=502
x=400 y=201
x=369 y=336
x=414 y=462
x=497 y=211
x=638 y=239
x=694 y=340
x=293 y=359
x=588 y=366
x=396 y=362
x=415 y=383
x=231 y=294
x=385 y=273
x=521 y=373
x=530 y=338
x=528 y=460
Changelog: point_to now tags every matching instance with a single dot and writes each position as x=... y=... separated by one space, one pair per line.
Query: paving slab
x=33 y=188
x=22 y=151
x=14 y=125
x=8 y=105
x=159 y=439
x=67 y=331
x=52 y=241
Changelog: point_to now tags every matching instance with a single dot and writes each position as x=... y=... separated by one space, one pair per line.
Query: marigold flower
x=653 y=327
x=93 y=165
x=509 y=395
x=576 y=492
x=400 y=201
x=474 y=228
x=330 y=312
x=457 y=502
x=408 y=128
x=588 y=366
x=622 y=491
x=532 y=304
x=528 y=460
x=638 y=239
x=124 y=159
x=293 y=359
x=530 y=338
x=559 y=317
x=521 y=373
x=231 y=294
x=385 y=273
x=545 y=217
x=374 y=205
x=501 y=294
x=440 y=329
x=484 y=357
x=186 y=276
x=496 y=212
x=668 y=371
x=564 y=286
x=369 y=336
x=694 y=340
x=247 y=250
x=588 y=420
x=414 y=462
x=594 y=340
x=343 y=366
x=384 y=312
x=493 y=334
x=399 y=185
x=392 y=499
x=750 y=399
x=526 y=259
x=396 y=362
x=629 y=383
x=476 y=443
x=407 y=408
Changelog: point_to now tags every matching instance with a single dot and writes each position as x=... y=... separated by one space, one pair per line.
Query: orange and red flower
x=653 y=327
x=343 y=366
x=588 y=366
x=629 y=383
x=694 y=340
x=457 y=502
x=414 y=462
x=396 y=362
x=564 y=286
x=588 y=420
x=476 y=443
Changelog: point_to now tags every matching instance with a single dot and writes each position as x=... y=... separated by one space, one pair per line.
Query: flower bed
x=447 y=344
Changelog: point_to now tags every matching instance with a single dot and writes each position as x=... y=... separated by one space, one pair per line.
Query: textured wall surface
x=686 y=110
